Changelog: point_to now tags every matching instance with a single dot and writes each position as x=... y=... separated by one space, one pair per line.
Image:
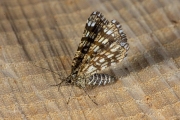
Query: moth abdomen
x=100 y=79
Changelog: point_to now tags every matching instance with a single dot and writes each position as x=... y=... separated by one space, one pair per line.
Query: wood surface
x=47 y=33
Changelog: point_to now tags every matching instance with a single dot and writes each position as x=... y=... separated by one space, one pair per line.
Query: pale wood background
x=47 y=33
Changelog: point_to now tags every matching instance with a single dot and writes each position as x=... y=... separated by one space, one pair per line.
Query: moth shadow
x=139 y=62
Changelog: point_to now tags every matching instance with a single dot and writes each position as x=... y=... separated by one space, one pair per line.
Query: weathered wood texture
x=47 y=33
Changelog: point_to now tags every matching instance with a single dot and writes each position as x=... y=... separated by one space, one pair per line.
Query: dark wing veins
x=94 y=24
x=109 y=47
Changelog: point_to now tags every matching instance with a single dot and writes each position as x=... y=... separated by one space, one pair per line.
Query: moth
x=103 y=44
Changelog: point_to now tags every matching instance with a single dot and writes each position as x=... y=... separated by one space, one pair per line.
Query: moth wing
x=109 y=47
x=94 y=24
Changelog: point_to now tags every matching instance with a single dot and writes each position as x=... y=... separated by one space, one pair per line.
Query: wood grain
x=47 y=33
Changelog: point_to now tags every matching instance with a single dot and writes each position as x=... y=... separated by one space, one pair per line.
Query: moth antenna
x=59 y=84
x=48 y=70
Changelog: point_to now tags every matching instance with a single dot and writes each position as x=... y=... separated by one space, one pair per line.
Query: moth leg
x=69 y=96
x=89 y=96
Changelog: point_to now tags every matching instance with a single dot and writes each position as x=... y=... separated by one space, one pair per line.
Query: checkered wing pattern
x=94 y=24
x=109 y=47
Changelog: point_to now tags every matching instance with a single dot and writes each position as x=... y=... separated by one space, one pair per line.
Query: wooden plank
x=47 y=33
